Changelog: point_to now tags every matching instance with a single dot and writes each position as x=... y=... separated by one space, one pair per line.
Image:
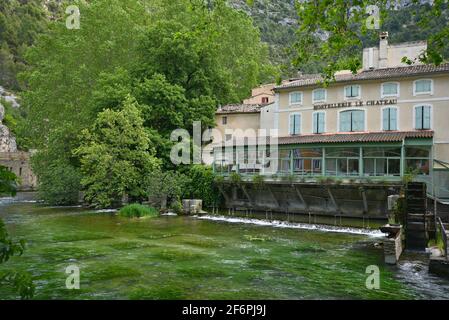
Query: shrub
x=176 y=206
x=235 y=178
x=136 y=210
x=203 y=185
x=258 y=181
x=58 y=181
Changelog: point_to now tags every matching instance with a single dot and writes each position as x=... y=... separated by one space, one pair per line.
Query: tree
x=202 y=185
x=20 y=281
x=165 y=186
x=334 y=31
x=115 y=156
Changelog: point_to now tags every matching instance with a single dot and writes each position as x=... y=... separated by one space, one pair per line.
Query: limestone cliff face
x=7 y=140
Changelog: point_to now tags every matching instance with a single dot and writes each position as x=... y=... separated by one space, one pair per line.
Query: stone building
x=15 y=160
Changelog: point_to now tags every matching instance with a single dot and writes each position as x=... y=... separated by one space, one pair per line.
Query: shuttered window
x=390 y=89
x=318 y=122
x=295 y=123
x=352 y=120
x=352 y=91
x=422 y=117
x=423 y=86
x=390 y=119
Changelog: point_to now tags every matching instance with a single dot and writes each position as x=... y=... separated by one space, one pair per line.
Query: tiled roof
x=387 y=73
x=240 y=108
x=393 y=136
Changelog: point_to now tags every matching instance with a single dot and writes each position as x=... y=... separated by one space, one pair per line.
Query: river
x=176 y=257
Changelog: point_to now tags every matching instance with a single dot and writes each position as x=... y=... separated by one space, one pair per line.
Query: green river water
x=174 y=257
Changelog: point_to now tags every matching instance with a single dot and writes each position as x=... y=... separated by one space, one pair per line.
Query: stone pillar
x=392 y=243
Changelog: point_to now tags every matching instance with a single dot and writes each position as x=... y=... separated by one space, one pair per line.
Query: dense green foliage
x=136 y=210
x=165 y=187
x=333 y=32
x=59 y=181
x=20 y=281
x=177 y=64
x=202 y=185
x=115 y=156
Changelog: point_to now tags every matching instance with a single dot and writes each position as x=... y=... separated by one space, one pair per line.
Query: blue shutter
x=426 y=117
x=297 y=124
x=292 y=124
x=358 y=120
x=321 y=122
x=393 y=119
x=418 y=117
x=385 y=122
x=345 y=121
x=315 y=128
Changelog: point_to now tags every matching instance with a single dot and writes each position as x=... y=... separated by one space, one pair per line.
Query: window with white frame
x=390 y=89
x=352 y=120
x=390 y=119
x=295 y=124
x=352 y=91
x=423 y=117
x=296 y=98
x=423 y=86
x=319 y=95
x=318 y=122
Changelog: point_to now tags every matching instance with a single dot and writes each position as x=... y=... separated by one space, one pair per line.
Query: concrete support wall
x=393 y=248
x=349 y=200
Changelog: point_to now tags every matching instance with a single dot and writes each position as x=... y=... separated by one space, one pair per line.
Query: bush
x=203 y=185
x=58 y=181
x=258 y=181
x=176 y=206
x=136 y=210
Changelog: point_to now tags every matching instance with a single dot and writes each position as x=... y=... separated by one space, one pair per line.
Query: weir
x=358 y=200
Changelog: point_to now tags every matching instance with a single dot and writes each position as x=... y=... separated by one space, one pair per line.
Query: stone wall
x=393 y=248
x=19 y=163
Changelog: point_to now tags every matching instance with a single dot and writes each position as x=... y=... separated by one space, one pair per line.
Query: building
x=263 y=94
x=13 y=159
x=383 y=123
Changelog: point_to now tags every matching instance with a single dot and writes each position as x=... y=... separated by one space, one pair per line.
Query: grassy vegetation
x=136 y=210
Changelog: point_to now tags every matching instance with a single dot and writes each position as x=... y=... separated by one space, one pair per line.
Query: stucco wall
x=370 y=90
x=246 y=124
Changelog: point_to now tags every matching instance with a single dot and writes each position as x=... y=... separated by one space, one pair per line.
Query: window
x=224 y=120
x=296 y=98
x=307 y=161
x=295 y=123
x=284 y=161
x=352 y=120
x=417 y=160
x=390 y=119
x=424 y=86
x=319 y=95
x=342 y=161
x=390 y=89
x=228 y=137
x=318 y=122
x=422 y=117
x=352 y=92
x=264 y=99
x=382 y=161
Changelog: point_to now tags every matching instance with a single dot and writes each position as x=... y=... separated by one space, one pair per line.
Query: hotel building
x=387 y=121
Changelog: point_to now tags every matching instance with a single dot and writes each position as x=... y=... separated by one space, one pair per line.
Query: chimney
x=383 y=50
